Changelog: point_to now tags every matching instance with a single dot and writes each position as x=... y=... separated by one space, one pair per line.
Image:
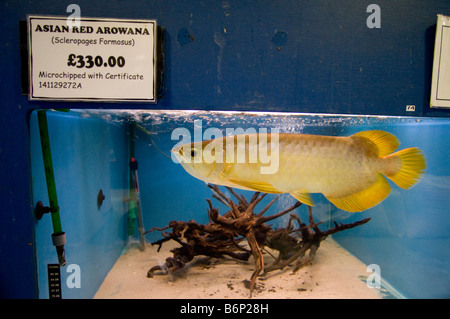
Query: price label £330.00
x=121 y=67
x=89 y=61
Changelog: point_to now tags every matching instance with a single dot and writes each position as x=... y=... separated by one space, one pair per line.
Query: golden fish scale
x=316 y=164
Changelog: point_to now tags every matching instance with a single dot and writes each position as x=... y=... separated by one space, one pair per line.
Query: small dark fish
x=100 y=198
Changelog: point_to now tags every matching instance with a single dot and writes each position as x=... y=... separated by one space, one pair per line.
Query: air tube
x=58 y=236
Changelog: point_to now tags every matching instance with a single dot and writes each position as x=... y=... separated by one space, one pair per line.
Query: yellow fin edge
x=385 y=143
x=364 y=199
x=256 y=186
x=412 y=168
x=303 y=197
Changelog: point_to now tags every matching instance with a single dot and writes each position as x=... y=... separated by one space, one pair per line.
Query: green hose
x=49 y=175
x=58 y=235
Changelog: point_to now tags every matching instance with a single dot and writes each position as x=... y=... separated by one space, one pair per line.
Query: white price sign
x=98 y=60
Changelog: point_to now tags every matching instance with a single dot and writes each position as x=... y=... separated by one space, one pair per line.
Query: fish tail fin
x=406 y=167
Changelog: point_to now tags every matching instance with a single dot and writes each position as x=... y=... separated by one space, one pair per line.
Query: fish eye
x=193 y=153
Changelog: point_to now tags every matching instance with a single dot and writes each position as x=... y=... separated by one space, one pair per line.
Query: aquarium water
x=406 y=242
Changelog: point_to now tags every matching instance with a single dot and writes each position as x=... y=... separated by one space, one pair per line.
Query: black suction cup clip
x=40 y=210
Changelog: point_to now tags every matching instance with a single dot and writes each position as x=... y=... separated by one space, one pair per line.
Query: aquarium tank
x=115 y=179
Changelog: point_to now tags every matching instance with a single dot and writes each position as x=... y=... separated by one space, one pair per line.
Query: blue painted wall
x=302 y=56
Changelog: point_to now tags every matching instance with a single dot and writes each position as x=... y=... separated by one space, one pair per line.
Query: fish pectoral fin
x=364 y=199
x=303 y=197
x=256 y=186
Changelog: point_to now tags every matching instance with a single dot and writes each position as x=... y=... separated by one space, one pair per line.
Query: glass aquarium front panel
x=119 y=189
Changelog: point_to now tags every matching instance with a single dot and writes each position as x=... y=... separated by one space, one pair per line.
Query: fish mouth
x=177 y=152
x=188 y=164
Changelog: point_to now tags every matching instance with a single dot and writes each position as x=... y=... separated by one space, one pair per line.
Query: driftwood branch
x=224 y=233
x=311 y=236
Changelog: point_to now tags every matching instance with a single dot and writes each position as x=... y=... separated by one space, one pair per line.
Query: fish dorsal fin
x=383 y=143
x=303 y=197
x=364 y=199
x=256 y=186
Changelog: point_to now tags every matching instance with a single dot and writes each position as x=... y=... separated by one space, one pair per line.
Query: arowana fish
x=348 y=171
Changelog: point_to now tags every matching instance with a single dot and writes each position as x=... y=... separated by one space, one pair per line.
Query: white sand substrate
x=334 y=273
